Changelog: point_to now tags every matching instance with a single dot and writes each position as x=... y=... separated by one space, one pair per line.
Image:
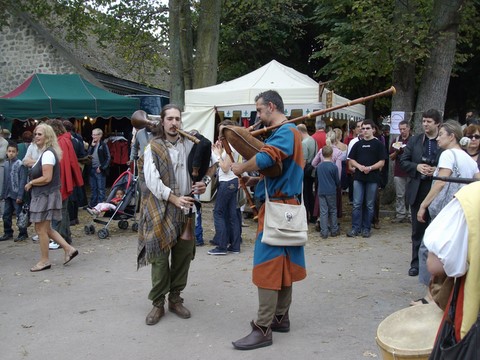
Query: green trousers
x=170 y=272
x=271 y=303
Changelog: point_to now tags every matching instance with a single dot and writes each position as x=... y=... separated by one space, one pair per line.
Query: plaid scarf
x=161 y=222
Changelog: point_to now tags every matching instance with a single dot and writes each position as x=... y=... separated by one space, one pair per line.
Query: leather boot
x=155 y=315
x=179 y=309
x=281 y=323
x=259 y=337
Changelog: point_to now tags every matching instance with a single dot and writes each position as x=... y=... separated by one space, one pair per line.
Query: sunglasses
x=366 y=128
x=38 y=134
x=476 y=137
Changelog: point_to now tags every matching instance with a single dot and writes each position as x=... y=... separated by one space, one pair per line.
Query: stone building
x=26 y=47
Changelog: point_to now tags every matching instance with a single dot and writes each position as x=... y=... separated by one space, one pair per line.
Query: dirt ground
x=95 y=307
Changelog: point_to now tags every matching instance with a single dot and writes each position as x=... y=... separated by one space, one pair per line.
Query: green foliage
x=361 y=39
x=468 y=42
x=253 y=32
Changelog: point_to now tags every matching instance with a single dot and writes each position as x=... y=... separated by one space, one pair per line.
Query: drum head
x=410 y=331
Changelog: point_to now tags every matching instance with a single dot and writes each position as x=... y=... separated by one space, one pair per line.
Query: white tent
x=299 y=92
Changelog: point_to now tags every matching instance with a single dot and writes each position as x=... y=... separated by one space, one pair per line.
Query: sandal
x=70 y=257
x=40 y=267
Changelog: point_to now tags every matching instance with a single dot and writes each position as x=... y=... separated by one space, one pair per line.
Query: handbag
x=446 y=346
x=23 y=219
x=284 y=224
x=447 y=193
x=309 y=170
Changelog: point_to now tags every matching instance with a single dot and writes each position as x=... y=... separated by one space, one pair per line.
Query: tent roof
x=293 y=86
x=67 y=96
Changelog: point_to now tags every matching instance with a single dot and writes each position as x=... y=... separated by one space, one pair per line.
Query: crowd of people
x=42 y=176
x=44 y=171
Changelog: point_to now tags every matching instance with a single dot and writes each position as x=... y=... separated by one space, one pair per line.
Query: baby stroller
x=125 y=209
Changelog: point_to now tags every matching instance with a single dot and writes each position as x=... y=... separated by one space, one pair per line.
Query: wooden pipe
x=387 y=92
x=188 y=232
x=140 y=120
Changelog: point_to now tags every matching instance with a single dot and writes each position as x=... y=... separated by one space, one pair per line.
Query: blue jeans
x=363 y=192
x=328 y=207
x=97 y=186
x=225 y=216
x=198 y=222
x=10 y=206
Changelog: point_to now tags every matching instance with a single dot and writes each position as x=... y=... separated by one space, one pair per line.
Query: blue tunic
x=277 y=266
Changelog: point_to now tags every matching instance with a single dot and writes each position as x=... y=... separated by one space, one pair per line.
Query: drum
x=409 y=333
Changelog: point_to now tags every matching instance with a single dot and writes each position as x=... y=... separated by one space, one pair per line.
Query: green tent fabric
x=66 y=96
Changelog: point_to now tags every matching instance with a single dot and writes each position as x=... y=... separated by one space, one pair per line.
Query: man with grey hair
x=100 y=156
x=320 y=135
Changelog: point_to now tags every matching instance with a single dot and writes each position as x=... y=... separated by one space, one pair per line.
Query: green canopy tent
x=65 y=96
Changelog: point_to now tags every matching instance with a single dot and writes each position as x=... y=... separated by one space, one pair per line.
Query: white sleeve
x=29 y=151
x=48 y=158
x=350 y=146
x=213 y=158
x=152 y=176
x=447 y=238
x=446 y=160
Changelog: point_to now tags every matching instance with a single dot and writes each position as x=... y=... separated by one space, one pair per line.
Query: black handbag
x=446 y=346
x=23 y=219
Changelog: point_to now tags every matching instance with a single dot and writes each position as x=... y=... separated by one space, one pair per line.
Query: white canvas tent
x=299 y=92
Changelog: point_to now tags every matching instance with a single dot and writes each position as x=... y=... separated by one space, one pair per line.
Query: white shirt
x=47 y=158
x=447 y=238
x=178 y=155
x=350 y=145
x=227 y=176
x=465 y=164
x=32 y=152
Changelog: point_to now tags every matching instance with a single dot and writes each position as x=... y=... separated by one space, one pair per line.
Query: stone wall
x=24 y=52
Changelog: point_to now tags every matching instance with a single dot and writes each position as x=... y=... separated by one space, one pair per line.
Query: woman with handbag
x=46 y=203
x=453 y=241
x=453 y=162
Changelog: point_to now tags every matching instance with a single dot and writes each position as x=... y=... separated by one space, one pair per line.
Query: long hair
x=57 y=126
x=50 y=139
x=331 y=138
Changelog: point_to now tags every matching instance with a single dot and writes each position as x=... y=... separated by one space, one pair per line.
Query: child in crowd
x=104 y=206
x=328 y=181
x=14 y=180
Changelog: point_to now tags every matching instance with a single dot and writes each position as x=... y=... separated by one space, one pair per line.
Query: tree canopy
x=362 y=45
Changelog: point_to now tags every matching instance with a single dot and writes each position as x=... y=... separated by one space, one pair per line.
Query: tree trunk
x=185 y=72
x=432 y=92
x=403 y=71
x=403 y=79
x=177 y=87
x=186 y=43
x=208 y=34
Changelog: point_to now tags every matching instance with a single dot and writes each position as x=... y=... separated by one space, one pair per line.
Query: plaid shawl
x=161 y=222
